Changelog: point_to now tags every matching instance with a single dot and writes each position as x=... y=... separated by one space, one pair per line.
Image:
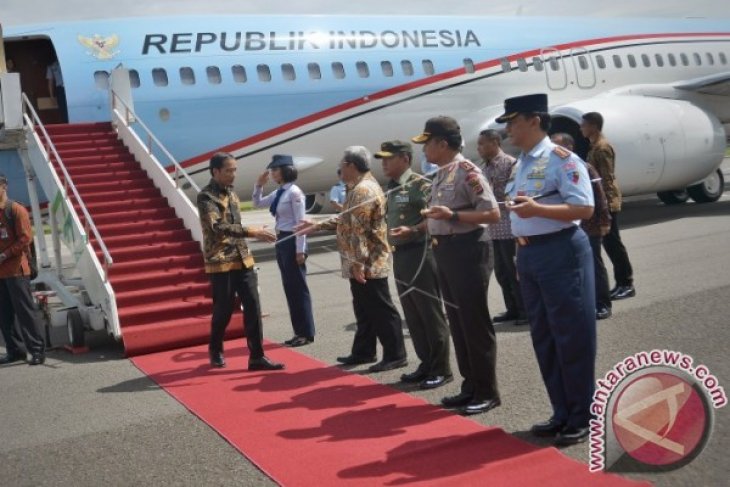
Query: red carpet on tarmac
x=318 y=425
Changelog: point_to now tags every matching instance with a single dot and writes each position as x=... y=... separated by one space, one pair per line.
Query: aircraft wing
x=715 y=84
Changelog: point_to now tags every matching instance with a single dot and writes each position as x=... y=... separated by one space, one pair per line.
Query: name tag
x=402 y=198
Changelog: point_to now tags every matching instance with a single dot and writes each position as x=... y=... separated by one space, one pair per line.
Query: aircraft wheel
x=75 y=327
x=676 y=197
x=709 y=190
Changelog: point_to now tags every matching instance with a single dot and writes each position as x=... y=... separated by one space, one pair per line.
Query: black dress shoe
x=356 y=360
x=461 y=399
x=521 y=320
x=547 y=429
x=37 y=359
x=217 y=360
x=384 y=365
x=603 y=313
x=416 y=376
x=624 y=292
x=570 y=435
x=264 y=363
x=10 y=358
x=434 y=381
x=299 y=341
x=506 y=317
x=479 y=406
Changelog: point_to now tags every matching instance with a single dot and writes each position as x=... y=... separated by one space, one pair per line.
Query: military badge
x=574 y=177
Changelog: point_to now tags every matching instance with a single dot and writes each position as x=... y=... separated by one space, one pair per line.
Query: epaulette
x=561 y=152
x=468 y=166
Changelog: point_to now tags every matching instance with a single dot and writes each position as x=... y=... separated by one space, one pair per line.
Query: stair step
x=55 y=129
x=158 y=294
x=192 y=260
x=113 y=177
x=92 y=151
x=162 y=213
x=112 y=201
x=114 y=185
x=130 y=228
x=150 y=313
x=157 y=278
x=160 y=249
x=102 y=169
x=151 y=239
x=93 y=141
x=87 y=160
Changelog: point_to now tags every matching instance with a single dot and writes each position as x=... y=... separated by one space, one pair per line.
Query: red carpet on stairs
x=317 y=425
x=162 y=292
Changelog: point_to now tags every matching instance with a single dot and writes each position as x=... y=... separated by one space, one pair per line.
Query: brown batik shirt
x=224 y=245
x=603 y=158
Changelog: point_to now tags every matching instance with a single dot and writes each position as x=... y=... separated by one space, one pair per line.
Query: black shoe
x=506 y=317
x=478 y=406
x=299 y=341
x=613 y=291
x=37 y=359
x=417 y=375
x=547 y=429
x=461 y=399
x=11 y=357
x=603 y=313
x=264 y=363
x=570 y=435
x=624 y=292
x=291 y=340
x=384 y=365
x=434 y=381
x=356 y=360
x=217 y=360
x=521 y=320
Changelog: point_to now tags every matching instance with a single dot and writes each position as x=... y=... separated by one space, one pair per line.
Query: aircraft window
x=617 y=61
x=159 y=76
x=101 y=78
x=387 y=68
x=287 y=72
x=554 y=64
x=537 y=62
x=362 y=69
x=506 y=65
x=646 y=60
x=601 y=62
x=522 y=64
x=582 y=62
x=468 y=65
x=314 y=71
x=672 y=59
x=214 y=75
x=710 y=59
x=698 y=59
x=723 y=58
x=407 y=67
x=632 y=60
x=338 y=70
x=134 y=78
x=263 y=72
x=659 y=60
x=428 y=67
x=187 y=76
x=685 y=59
x=239 y=73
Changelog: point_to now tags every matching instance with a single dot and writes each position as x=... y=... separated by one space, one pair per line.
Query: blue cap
x=537 y=103
x=280 y=160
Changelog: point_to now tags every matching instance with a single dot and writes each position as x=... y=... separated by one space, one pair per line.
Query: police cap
x=537 y=103
x=442 y=126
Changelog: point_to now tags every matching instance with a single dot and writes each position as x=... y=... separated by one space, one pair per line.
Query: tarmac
x=87 y=419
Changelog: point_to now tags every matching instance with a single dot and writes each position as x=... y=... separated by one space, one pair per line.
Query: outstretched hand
x=262 y=233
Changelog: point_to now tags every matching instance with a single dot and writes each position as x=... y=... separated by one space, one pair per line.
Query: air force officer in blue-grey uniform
x=554 y=264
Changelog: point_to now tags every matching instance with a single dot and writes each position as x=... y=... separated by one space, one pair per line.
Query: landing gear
x=676 y=197
x=75 y=327
x=709 y=190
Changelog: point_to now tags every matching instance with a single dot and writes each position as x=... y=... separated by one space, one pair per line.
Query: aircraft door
x=555 y=72
x=585 y=71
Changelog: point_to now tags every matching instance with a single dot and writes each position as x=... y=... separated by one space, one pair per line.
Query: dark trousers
x=294 y=280
x=16 y=300
x=377 y=319
x=459 y=260
x=622 y=271
x=62 y=104
x=225 y=287
x=420 y=296
x=603 y=293
x=558 y=289
x=506 y=274
x=487 y=265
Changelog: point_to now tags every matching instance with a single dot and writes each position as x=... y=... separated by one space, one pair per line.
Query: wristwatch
x=454 y=216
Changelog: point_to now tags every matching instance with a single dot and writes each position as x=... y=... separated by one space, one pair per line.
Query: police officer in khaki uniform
x=461 y=203
x=414 y=267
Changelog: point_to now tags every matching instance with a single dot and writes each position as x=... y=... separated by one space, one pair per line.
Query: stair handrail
x=35 y=121
x=129 y=114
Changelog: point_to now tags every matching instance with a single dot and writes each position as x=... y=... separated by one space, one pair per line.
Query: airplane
x=310 y=86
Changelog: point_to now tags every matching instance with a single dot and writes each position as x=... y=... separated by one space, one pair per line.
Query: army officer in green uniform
x=414 y=266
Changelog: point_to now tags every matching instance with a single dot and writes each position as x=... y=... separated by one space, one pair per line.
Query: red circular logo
x=660 y=419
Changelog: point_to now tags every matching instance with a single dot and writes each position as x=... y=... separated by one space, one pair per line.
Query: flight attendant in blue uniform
x=287 y=204
x=550 y=193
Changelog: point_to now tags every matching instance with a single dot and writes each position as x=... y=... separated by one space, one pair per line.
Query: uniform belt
x=459 y=237
x=407 y=246
x=282 y=233
x=546 y=237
